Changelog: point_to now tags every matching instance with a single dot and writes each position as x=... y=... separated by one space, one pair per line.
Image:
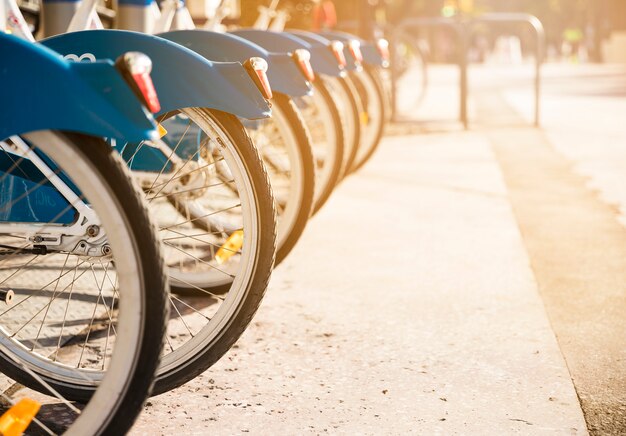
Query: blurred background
x=576 y=30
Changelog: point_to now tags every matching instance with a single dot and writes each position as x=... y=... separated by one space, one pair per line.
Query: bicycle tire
x=372 y=97
x=205 y=353
x=326 y=182
x=133 y=384
x=345 y=97
x=300 y=145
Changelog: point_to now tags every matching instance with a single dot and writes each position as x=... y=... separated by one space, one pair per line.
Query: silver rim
x=373 y=112
x=210 y=184
x=345 y=113
x=39 y=342
x=319 y=120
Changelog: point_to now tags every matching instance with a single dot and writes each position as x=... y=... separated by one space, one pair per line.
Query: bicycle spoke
x=201 y=261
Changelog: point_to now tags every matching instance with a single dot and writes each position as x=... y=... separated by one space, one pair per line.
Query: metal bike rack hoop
x=463 y=27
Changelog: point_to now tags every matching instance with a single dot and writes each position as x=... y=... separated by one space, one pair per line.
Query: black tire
x=353 y=111
x=108 y=166
x=383 y=79
x=205 y=355
x=369 y=86
x=284 y=103
x=336 y=170
x=345 y=97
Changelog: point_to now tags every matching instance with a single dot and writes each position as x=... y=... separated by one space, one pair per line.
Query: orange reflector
x=139 y=67
x=15 y=420
x=146 y=87
x=383 y=48
x=355 y=50
x=337 y=49
x=232 y=246
x=161 y=130
x=257 y=69
x=303 y=59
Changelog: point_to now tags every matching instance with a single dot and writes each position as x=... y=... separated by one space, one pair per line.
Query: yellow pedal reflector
x=365 y=118
x=161 y=130
x=232 y=246
x=15 y=420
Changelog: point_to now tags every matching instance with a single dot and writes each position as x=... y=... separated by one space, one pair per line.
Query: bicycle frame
x=266 y=14
x=12 y=20
x=76 y=215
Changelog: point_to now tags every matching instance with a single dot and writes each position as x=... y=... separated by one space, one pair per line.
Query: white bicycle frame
x=85 y=17
x=220 y=11
x=13 y=21
x=172 y=15
x=59 y=236
x=280 y=21
x=270 y=18
x=266 y=14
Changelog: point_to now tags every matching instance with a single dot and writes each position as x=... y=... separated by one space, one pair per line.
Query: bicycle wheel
x=285 y=147
x=346 y=99
x=373 y=115
x=80 y=257
x=208 y=190
x=323 y=121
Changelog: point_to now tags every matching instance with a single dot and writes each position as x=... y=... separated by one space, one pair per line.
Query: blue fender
x=42 y=91
x=181 y=77
x=371 y=56
x=322 y=59
x=284 y=75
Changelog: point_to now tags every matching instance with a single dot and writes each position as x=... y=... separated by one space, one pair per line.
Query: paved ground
x=567 y=188
x=443 y=289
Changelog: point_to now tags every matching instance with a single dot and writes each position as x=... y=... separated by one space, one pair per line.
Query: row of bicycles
x=174 y=165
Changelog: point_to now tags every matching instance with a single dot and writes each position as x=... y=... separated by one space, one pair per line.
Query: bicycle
x=80 y=268
x=284 y=141
x=207 y=187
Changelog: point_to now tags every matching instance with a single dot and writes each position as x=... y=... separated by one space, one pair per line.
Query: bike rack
x=463 y=27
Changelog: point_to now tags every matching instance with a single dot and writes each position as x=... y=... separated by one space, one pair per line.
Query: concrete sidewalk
x=408 y=307
x=570 y=201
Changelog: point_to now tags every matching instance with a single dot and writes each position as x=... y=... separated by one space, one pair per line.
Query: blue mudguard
x=284 y=75
x=371 y=56
x=181 y=77
x=322 y=59
x=44 y=92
